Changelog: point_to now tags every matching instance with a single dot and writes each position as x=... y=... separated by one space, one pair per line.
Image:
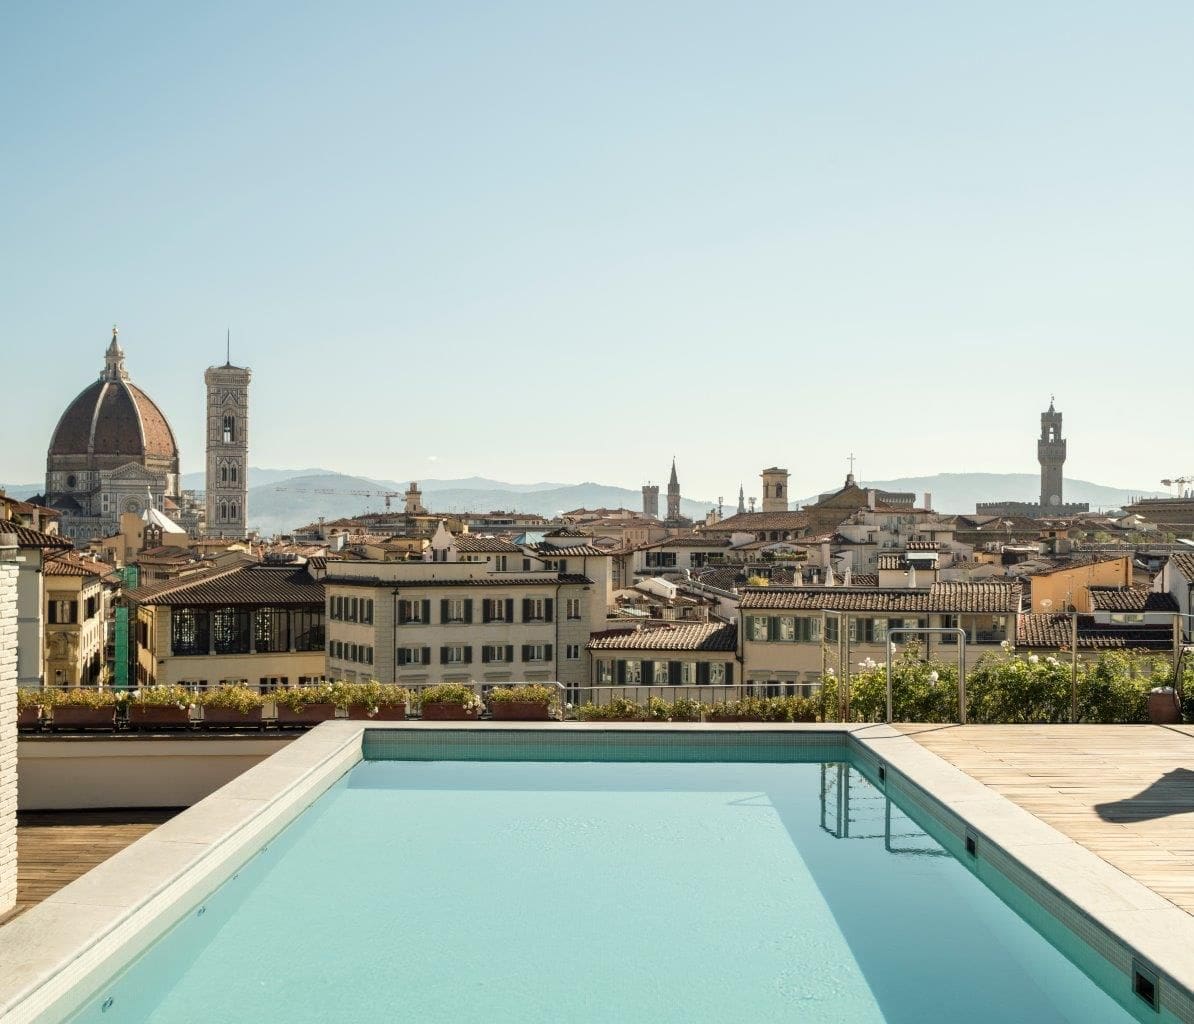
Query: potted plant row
x=449 y=702
x=230 y=705
x=373 y=701
x=83 y=707
x=305 y=705
x=30 y=704
x=527 y=703
x=160 y=707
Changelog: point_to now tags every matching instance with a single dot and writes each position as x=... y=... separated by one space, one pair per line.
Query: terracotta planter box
x=85 y=718
x=448 y=713
x=230 y=716
x=159 y=716
x=29 y=718
x=519 y=710
x=1163 y=708
x=312 y=714
x=385 y=713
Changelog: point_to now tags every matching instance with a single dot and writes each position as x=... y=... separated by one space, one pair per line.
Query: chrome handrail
x=942 y=630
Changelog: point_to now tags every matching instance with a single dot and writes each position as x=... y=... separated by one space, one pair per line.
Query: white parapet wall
x=88 y=772
x=8 y=722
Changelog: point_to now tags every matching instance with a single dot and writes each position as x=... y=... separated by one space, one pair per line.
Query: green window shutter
x=547 y=652
x=485 y=653
x=729 y=672
x=674 y=672
x=526 y=652
x=426 y=612
x=509 y=652
x=468 y=655
x=426 y=655
x=772 y=628
x=526 y=609
x=468 y=609
x=443 y=655
x=702 y=673
x=443 y=610
x=548 y=609
x=509 y=609
x=621 y=675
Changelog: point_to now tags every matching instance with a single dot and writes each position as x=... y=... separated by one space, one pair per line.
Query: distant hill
x=959 y=492
x=291 y=502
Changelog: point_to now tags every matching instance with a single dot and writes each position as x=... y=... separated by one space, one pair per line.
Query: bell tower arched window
x=229 y=429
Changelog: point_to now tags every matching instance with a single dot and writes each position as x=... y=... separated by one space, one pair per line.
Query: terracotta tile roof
x=576 y=551
x=501 y=579
x=922 y=545
x=1073 y=563
x=1131 y=599
x=566 y=531
x=1054 y=632
x=892 y=562
x=751 y=522
x=470 y=544
x=27 y=537
x=253 y=585
x=700 y=636
x=1184 y=562
x=72 y=564
x=948 y=598
x=689 y=540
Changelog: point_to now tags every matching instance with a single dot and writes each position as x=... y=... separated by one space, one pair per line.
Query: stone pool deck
x=56 y=847
x=1125 y=792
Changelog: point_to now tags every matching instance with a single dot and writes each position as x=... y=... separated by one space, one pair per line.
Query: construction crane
x=1181 y=482
x=332 y=490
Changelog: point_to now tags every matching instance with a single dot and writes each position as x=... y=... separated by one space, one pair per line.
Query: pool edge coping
x=105 y=917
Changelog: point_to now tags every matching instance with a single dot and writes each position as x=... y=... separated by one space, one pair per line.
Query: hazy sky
x=564 y=241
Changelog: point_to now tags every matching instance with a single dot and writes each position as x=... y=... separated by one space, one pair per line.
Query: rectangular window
x=497 y=653
x=759 y=628
x=458 y=654
x=572 y=652
x=230 y=630
x=271 y=630
x=688 y=675
x=456 y=610
x=367 y=610
x=499 y=563
x=574 y=607
x=536 y=652
x=536 y=609
x=717 y=673
x=634 y=672
x=832 y=630
x=605 y=673
x=787 y=627
x=414 y=612
x=413 y=656
x=308 y=630
x=189 y=631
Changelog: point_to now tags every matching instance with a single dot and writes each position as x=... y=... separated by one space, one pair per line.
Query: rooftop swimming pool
x=543 y=882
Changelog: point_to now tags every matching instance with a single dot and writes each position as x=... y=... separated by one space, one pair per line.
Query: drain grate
x=1145 y=985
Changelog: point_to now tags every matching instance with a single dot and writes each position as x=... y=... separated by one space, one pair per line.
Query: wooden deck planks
x=56 y=847
x=1124 y=792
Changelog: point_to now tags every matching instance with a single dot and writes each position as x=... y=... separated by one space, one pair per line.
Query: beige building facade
x=76 y=615
x=425 y=623
x=256 y=625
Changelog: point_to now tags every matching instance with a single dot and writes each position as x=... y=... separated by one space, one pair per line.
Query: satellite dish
x=1047 y=603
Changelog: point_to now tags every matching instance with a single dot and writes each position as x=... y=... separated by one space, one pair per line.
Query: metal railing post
x=930 y=631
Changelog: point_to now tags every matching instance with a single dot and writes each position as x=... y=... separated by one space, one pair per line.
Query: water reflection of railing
x=852 y=807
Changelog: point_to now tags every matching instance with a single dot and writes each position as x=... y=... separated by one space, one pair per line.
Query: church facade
x=113 y=451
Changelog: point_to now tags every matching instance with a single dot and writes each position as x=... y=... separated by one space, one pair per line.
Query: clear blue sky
x=565 y=241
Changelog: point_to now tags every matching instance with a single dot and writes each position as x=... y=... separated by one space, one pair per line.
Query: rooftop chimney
x=929 y=500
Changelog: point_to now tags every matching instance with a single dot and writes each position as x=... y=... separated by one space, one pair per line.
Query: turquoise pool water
x=494 y=892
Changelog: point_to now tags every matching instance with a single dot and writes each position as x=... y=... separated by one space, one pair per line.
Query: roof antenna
x=228 y=346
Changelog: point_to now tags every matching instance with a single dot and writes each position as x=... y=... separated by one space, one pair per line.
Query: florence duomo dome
x=113 y=451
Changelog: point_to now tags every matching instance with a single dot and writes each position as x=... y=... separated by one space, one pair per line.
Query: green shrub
x=530 y=693
x=618 y=708
x=451 y=693
x=162 y=696
x=766 y=709
x=84 y=697
x=232 y=698
x=681 y=710
x=297 y=698
x=371 y=694
x=28 y=698
x=920 y=691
